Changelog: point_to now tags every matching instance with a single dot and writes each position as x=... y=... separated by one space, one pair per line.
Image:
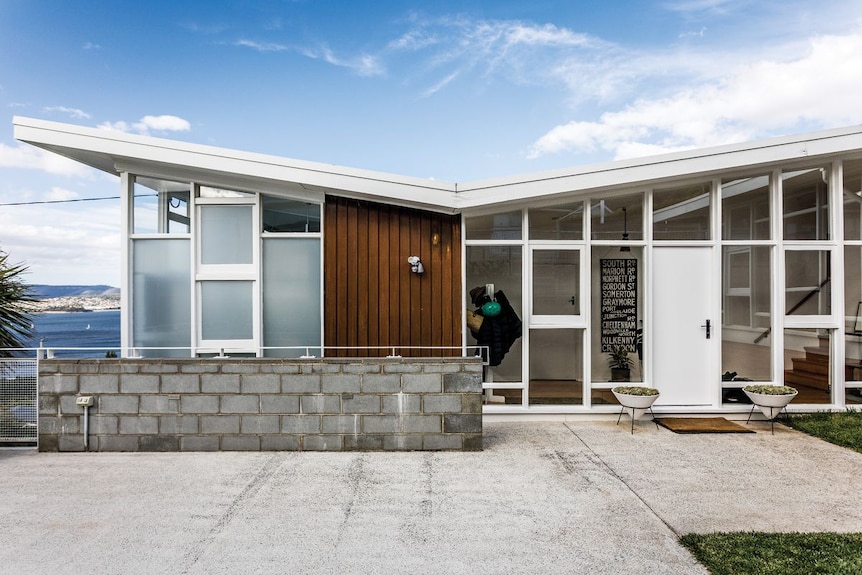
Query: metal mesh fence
x=18 y=401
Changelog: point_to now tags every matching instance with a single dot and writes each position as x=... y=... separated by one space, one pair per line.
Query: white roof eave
x=112 y=151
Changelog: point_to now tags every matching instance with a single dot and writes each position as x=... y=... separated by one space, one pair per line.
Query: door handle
x=708 y=327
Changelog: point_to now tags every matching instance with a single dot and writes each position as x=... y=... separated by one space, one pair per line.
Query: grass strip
x=757 y=553
x=842 y=428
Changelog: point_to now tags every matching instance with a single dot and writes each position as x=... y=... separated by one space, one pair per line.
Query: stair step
x=817 y=354
x=806 y=365
x=810 y=380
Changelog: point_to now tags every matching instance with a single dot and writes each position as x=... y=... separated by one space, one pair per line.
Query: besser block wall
x=262 y=404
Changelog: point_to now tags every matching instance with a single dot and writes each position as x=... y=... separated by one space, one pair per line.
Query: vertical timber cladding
x=371 y=296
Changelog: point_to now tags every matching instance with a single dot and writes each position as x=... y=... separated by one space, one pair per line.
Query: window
x=682 y=213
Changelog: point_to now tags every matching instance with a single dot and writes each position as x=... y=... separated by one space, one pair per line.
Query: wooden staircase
x=812 y=370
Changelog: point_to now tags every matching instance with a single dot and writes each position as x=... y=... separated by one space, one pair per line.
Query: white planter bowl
x=770 y=405
x=637 y=404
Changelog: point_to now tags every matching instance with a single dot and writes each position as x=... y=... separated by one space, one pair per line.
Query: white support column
x=127 y=182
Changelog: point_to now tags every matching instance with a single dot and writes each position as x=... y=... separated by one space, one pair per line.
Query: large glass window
x=556 y=282
x=682 y=213
x=806 y=204
x=227 y=310
x=226 y=235
x=808 y=282
x=807 y=361
x=283 y=215
x=500 y=266
x=291 y=296
x=160 y=206
x=617 y=219
x=564 y=222
x=853 y=318
x=161 y=298
x=617 y=283
x=745 y=208
x=506 y=226
x=556 y=367
x=853 y=200
x=746 y=337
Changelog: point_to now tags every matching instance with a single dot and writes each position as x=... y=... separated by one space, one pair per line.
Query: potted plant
x=770 y=399
x=636 y=398
x=620 y=364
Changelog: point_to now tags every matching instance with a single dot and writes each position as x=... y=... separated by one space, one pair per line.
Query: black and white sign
x=619 y=301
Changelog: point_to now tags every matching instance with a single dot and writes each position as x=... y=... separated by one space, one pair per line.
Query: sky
x=450 y=90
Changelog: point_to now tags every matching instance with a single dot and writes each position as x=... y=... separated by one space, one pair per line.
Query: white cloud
x=72 y=112
x=164 y=123
x=363 y=64
x=261 y=46
x=817 y=88
x=30 y=157
x=91 y=46
x=60 y=194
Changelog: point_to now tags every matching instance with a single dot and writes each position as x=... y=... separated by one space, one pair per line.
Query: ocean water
x=92 y=329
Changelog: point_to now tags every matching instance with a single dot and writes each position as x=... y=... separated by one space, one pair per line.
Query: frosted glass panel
x=226 y=235
x=161 y=299
x=291 y=296
x=226 y=310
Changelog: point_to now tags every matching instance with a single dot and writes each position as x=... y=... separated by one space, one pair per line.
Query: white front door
x=683 y=355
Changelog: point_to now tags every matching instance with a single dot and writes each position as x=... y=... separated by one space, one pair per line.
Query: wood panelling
x=371 y=296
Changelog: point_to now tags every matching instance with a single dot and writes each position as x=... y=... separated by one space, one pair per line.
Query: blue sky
x=454 y=91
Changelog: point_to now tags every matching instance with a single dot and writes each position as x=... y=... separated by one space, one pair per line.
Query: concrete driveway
x=584 y=497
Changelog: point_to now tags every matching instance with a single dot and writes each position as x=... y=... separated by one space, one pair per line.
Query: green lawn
x=757 y=553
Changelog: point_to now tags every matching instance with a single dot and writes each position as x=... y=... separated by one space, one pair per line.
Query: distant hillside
x=41 y=291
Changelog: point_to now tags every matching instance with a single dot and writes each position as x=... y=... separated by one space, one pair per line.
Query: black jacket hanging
x=498 y=332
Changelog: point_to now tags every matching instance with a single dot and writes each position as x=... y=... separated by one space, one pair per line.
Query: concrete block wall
x=261 y=404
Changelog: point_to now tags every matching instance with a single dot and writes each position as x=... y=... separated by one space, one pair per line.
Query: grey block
x=471 y=403
x=472 y=442
x=234 y=367
x=199 y=403
x=421 y=423
x=442 y=442
x=361 y=368
x=139 y=425
x=340 y=383
x=341 y=424
x=58 y=384
x=99 y=383
x=441 y=368
x=117 y=404
x=161 y=443
x=285 y=368
x=421 y=383
x=402 y=403
x=149 y=367
x=219 y=383
x=361 y=404
x=202 y=366
x=240 y=443
x=321 y=368
x=48 y=404
x=49 y=443
x=321 y=443
x=178 y=425
x=364 y=442
x=441 y=403
x=68 y=405
x=139 y=383
x=319 y=403
x=198 y=443
x=462 y=383
x=279 y=404
x=181 y=383
x=381 y=423
x=471 y=423
x=159 y=404
x=49 y=425
x=279 y=443
x=261 y=383
x=260 y=424
x=402 y=442
x=72 y=443
x=219 y=424
x=300 y=424
x=103 y=424
x=382 y=383
x=300 y=383
x=119 y=443
x=70 y=424
x=240 y=404
x=399 y=367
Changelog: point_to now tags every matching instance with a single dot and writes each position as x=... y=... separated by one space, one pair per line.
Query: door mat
x=701 y=425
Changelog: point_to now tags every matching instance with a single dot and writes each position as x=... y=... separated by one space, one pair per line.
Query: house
x=704 y=269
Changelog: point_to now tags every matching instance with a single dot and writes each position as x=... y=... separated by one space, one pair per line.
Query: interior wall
x=372 y=298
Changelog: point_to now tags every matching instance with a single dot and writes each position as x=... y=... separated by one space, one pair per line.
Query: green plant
x=635 y=390
x=15 y=297
x=842 y=428
x=770 y=389
x=618 y=357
